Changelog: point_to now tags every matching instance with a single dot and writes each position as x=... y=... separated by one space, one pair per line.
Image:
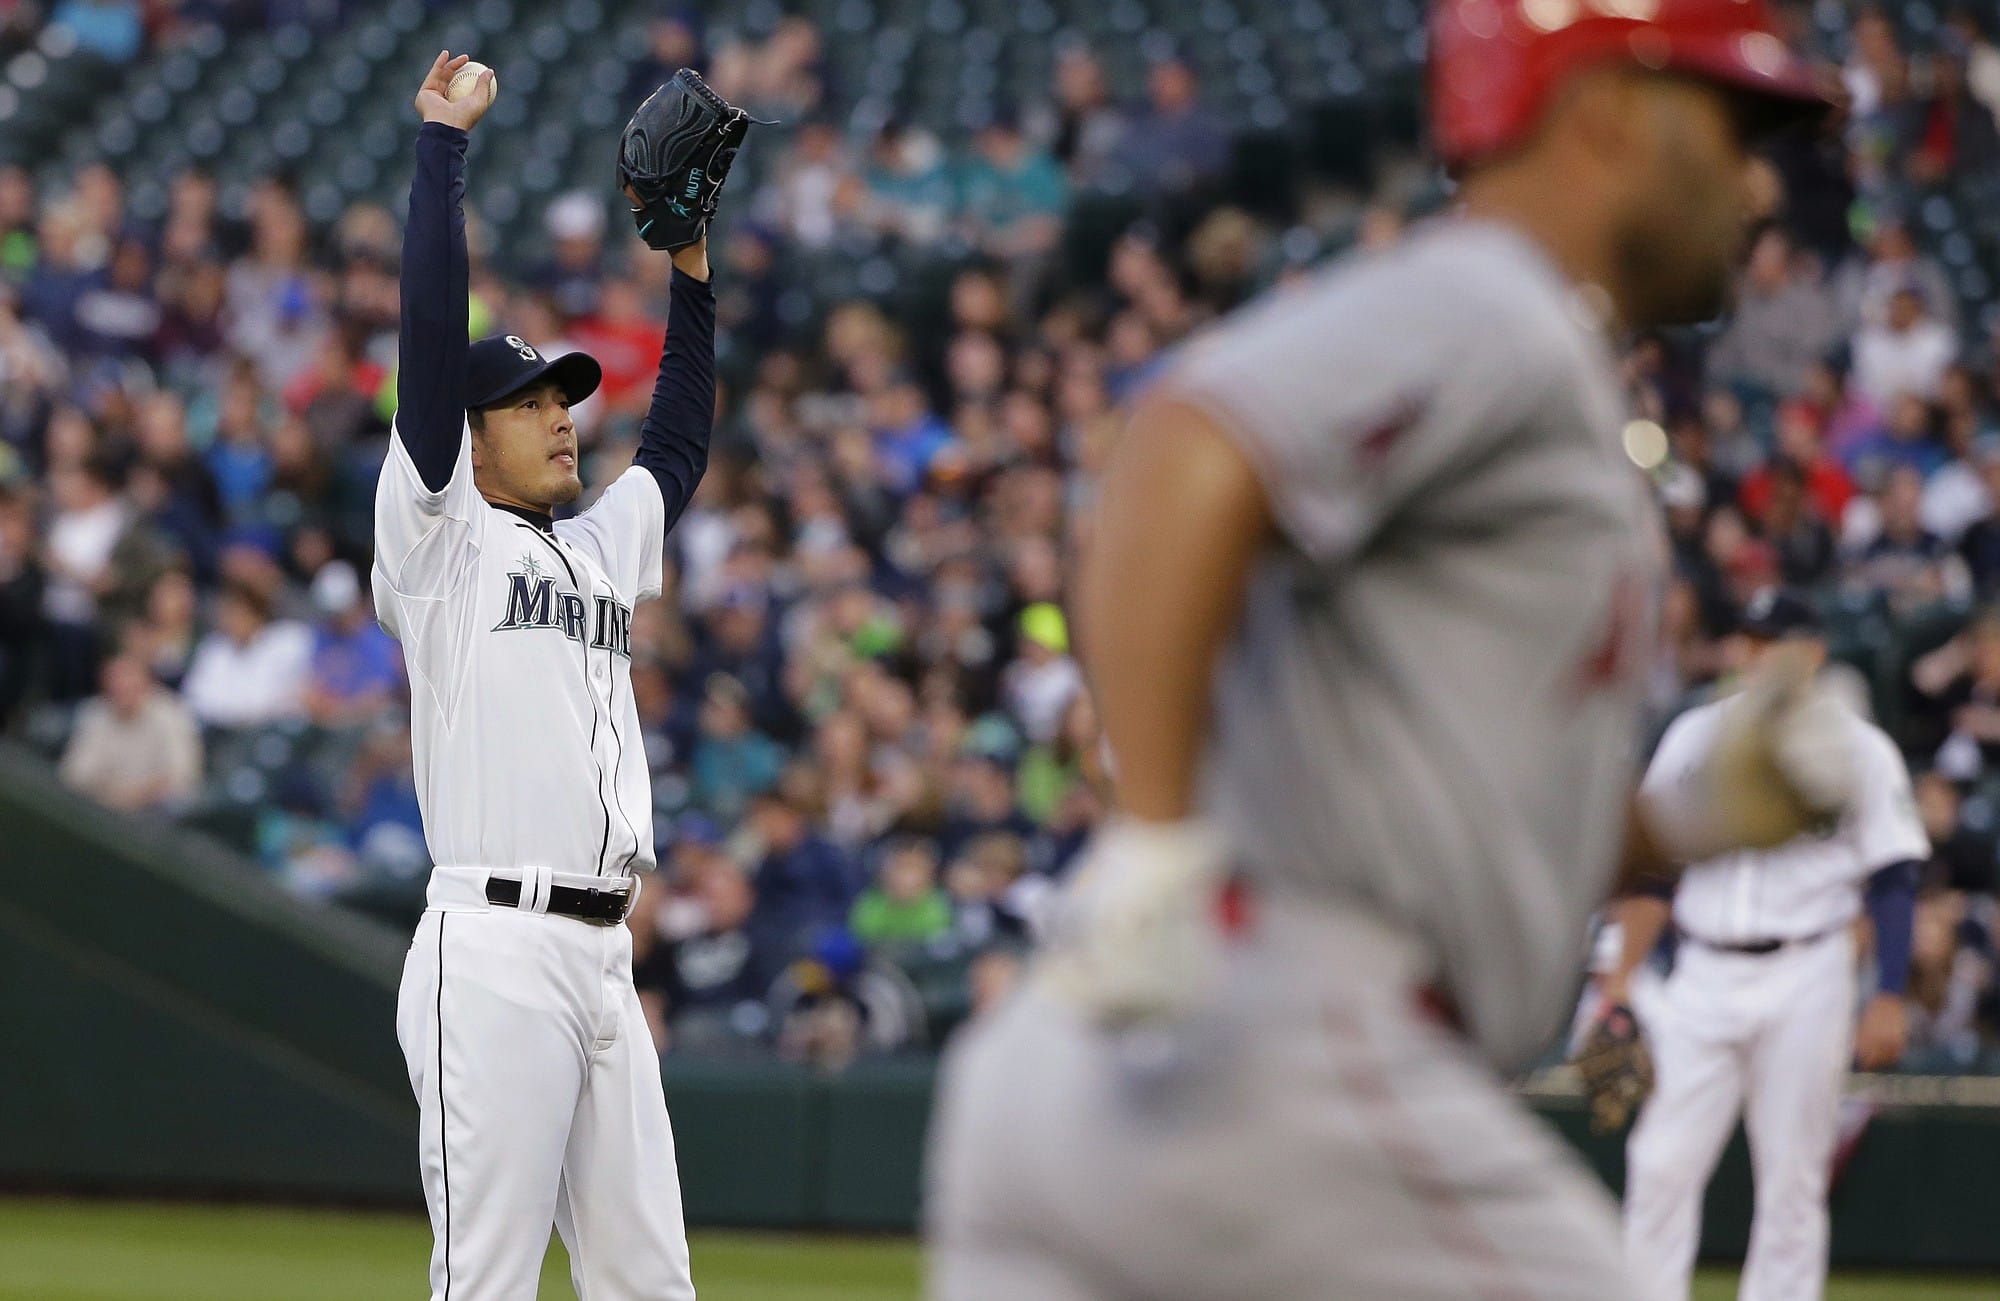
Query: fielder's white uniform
x=538 y=1086
x=1423 y=743
x=1764 y=1035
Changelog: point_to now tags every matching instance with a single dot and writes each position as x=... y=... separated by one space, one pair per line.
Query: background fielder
x=1758 y=1017
x=538 y=1087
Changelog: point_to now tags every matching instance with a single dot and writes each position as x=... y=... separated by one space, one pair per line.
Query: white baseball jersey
x=1806 y=887
x=1431 y=705
x=518 y=642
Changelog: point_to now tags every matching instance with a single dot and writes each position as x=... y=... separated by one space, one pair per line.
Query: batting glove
x=1135 y=937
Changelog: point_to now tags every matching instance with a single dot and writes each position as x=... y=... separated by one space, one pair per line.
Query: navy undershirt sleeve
x=430 y=368
x=1892 y=906
x=674 y=437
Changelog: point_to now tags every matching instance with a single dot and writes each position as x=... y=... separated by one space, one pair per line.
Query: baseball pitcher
x=1758 y=1017
x=539 y=1092
x=1367 y=612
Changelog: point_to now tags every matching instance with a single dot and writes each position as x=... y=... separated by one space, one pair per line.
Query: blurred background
x=977 y=231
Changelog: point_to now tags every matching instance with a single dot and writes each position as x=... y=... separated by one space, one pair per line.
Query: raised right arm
x=430 y=372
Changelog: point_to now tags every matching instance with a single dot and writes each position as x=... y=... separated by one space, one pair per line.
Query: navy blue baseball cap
x=1781 y=612
x=506 y=363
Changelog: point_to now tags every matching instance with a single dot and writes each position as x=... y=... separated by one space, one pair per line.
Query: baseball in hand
x=463 y=82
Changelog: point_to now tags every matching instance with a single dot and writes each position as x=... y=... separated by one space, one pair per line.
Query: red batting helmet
x=1495 y=63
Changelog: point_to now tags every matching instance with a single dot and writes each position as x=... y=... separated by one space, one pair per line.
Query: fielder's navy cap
x=1780 y=612
x=507 y=363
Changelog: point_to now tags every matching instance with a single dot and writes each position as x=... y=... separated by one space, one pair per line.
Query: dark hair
x=104 y=466
x=251 y=596
x=476 y=417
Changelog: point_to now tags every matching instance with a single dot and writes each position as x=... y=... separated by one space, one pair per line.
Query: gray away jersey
x=1431 y=706
x=518 y=642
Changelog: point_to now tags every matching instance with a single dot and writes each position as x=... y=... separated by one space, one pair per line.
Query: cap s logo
x=520 y=345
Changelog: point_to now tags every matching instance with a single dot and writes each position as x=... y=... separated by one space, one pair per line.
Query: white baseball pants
x=1768 y=1037
x=1316 y=1136
x=540 y=1103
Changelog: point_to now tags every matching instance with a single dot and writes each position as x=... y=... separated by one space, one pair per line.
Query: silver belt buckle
x=628 y=896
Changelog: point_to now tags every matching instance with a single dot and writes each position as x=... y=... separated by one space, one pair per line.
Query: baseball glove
x=673 y=157
x=1617 y=1070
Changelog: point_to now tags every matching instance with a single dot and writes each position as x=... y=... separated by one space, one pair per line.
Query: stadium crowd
x=873 y=751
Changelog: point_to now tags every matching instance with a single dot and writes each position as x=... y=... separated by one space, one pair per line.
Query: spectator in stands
x=1979 y=547
x=182 y=503
x=1087 y=131
x=1875 y=61
x=1040 y=684
x=784 y=78
x=22 y=625
x=1793 y=525
x=111 y=30
x=804 y=881
x=1904 y=560
x=1982 y=59
x=17 y=223
x=357 y=669
x=89 y=521
x=99 y=197
x=703 y=989
x=118 y=317
x=166 y=632
x=378 y=806
x=742 y=645
x=272 y=301
x=1052 y=770
x=907 y=434
x=911 y=193
x=1907 y=439
x=1890 y=263
x=1955 y=495
x=20 y=20
x=732 y=761
x=252 y=670
x=1956 y=133
x=1734 y=446
x=1177 y=144
x=980 y=798
x=239 y=456
x=574 y=270
x=994 y=895
x=905 y=908
x=135 y=746
x=1952 y=986
x=624 y=335
x=1012 y=195
x=673 y=42
x=60 y=278
x=1846 y=417
x=1785 y=319
x=1962 y=678
x=1907 y=353
x=1952 y=959
x=1800 y=445
x=815 y=195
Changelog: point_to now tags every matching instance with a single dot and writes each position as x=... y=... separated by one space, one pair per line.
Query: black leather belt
x=598 y=907
x=1759 y=948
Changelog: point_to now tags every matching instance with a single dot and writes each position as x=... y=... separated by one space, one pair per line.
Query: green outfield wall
x=173 y=1024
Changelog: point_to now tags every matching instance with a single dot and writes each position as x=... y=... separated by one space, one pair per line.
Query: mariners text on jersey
x=534 y=602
